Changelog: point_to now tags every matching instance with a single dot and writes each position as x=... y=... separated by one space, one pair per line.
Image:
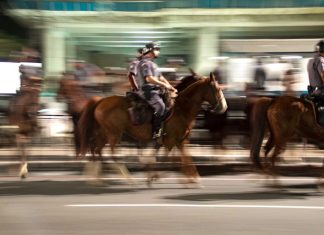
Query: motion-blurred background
x=233 y=39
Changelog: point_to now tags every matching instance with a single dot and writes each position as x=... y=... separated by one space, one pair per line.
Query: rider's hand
x=171 y=88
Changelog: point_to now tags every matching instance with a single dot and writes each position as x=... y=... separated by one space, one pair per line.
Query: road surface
x=56 y=203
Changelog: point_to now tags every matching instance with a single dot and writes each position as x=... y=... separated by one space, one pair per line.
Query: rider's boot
x=157 y=126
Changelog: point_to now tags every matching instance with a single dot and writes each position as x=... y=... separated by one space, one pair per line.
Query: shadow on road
x=246 y=196
x=48 y=187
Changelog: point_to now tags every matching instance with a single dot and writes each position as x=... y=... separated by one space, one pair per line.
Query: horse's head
x=214 y=95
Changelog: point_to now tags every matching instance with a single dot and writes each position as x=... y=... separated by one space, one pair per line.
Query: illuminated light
x=10 y=76
x=291 y=57
x=218 y=58
x=57 y=128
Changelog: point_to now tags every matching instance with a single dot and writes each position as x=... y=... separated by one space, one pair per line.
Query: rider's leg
x=159 y=108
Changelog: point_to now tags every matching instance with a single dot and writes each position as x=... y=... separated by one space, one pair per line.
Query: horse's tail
x=258 y=125
x=86 y=126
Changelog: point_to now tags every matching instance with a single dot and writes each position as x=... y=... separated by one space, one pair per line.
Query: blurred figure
x=132 y=70
x=259 y=75
x=315 y=69
x=26 y=54
x=23 y=110
x=220 y=74
x=150 y=81
x=288 y=82
x=88 y=75
x=79 y=70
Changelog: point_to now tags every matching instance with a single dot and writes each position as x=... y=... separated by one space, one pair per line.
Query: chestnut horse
x=73 y=94
x=286 y=117
x=110 y=116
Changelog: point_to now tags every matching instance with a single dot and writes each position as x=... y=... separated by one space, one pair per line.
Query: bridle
x=217 y=95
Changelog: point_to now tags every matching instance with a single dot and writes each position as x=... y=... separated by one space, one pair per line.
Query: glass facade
x=130 y=5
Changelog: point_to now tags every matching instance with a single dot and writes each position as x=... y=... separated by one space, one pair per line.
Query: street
x=56 y=203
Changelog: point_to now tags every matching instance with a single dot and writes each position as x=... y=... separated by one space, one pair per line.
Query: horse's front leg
x=150 y=167
x=21 y=141
x=187 y=166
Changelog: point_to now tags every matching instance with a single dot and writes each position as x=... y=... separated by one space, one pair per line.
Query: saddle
x=318 y=105
x=141 y=112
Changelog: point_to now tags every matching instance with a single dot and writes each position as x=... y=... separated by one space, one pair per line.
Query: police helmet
x=151 y=46
x=320 y=46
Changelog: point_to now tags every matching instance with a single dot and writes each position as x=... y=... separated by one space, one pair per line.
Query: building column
x=207 y=46
x=53 y=52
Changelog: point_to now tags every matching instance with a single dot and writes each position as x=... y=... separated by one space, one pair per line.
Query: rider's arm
x=164 y=80
x=132 y=81
x=321 y=68
x=155 y=81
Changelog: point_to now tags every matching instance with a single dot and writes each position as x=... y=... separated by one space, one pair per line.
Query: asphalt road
x=224 y=204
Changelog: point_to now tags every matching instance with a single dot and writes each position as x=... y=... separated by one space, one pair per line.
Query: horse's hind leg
x=271 y=171
x=93 y=171
x=320 y=183
x=268 y=147
x=120 y=167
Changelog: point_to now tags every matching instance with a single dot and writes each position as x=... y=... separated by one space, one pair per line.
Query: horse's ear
x=193 y=73
x=212 y=77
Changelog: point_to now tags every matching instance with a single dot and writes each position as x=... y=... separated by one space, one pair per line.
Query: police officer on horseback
x=150 y=81
x=132 y=70
x=315 y=68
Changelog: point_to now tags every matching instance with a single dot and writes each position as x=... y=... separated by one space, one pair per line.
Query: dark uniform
x=132 y=71
x=146 y=67
x=315 y=67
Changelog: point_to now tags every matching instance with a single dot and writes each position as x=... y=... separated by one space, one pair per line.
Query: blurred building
x=107 y=33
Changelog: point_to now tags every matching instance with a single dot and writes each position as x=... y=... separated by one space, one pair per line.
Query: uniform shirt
x=315 y=67
x=29 y=70
x=146 y=67
x=80 y=74
x=133 y=66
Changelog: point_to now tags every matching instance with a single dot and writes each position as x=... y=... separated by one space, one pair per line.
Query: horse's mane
x=186 y=81
x=187 y=90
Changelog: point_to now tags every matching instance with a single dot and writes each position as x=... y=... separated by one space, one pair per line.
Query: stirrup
x=157 y=134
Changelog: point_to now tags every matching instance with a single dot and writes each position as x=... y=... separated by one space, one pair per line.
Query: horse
x=285 y=117
x=22 y=114
x=110 y=116
x=71 y=91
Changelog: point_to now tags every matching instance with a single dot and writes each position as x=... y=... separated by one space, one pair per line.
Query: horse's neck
x=76 y=100
x=77 y=105
x=189 y=101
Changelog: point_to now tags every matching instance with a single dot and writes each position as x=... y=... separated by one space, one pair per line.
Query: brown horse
x=72 y=92
x=22 y=113
x=110 y=116
x=287 y=117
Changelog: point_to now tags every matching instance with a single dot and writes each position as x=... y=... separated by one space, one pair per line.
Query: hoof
x=23 y=171
x=190 y=181
x=152 y=178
